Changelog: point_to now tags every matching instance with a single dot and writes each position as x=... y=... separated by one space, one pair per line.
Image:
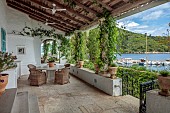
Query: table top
x=56 y=67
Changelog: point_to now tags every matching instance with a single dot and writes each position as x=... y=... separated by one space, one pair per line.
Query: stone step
x=33 y=104
x=21 y=103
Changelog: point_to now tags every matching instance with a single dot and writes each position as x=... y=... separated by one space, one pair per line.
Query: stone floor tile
x=76 y=97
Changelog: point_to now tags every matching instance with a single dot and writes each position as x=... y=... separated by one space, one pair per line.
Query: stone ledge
x=156 y=103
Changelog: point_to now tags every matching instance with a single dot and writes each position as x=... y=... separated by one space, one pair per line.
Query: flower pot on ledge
x=80 y=63
x=164 y=84
x=113 y=71
x=3 y=82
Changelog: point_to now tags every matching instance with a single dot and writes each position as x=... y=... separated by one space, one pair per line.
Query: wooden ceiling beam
x=70 y=10
x=60 y=13
x=55 y=26
x=128 y=6
x=45 y=13
x=113 y=2
x=104 y=5
x=85 y=7
x=42 y=19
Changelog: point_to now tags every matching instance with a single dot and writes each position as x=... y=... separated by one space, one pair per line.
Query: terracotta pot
x=81 y=63
x=3 y=82
x=164 y=84
x=51 y=64
x=97 y=69
x=112 y=70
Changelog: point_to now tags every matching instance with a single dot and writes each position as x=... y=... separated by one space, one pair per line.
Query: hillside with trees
x=136 y=43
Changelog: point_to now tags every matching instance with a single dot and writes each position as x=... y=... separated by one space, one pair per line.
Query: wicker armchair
x=31 y=66
x=37 y=77
x=62 y=76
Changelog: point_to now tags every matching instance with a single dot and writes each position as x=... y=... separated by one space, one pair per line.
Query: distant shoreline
x=148 y=53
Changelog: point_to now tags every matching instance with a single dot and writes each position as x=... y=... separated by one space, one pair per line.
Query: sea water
x=150 y=57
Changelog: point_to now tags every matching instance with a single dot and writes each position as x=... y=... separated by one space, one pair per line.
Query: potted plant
x=51 y=61
x=164 y=83
x=6 y=62
x=112 y=70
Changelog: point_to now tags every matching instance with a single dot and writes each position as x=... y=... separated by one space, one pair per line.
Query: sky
x=154 y=21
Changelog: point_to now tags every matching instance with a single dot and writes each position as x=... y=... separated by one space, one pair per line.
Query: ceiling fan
x=54 y=9
x=47 y=23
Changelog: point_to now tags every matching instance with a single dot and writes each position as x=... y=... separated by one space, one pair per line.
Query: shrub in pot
x=6 y=62
x=164 y=83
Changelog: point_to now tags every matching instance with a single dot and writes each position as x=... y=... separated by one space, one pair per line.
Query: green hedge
x=132 y=79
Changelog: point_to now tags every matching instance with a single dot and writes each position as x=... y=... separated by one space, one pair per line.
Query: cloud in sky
x=153 y=21
x=153 y=15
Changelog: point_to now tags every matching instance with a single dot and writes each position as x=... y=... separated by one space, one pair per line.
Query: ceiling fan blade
x=61 y=9
x=51 y=23
x=45 y=7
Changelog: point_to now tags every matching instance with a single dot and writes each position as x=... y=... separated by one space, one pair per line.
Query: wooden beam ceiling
x=32 y=8
x=86 y=8
x=128 y=6
x=104 y=5
x=60 y=13
x=84 y=14
x=71 y=10
x=37 y=16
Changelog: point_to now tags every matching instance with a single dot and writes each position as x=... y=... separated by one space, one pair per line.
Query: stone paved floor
x=77 y=97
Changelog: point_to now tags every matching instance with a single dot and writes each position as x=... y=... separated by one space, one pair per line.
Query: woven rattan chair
x=37 y=77
x=62 y=76
x=31 y=66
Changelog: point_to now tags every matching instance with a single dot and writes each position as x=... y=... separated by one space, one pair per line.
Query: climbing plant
x=54 y=48
x=93 y=45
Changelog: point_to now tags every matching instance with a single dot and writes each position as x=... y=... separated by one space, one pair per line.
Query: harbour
x=152 y=62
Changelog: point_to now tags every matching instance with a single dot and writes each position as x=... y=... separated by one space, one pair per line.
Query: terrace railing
x=136 y=85
x=144 y=87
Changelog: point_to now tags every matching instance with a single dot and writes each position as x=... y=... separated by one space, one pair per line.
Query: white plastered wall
x=15 y=21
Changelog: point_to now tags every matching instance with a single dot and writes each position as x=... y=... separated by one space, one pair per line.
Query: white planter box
x=110 y=86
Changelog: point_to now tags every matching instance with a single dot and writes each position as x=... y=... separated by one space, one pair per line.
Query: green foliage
x=113 y=65
x=79 y=48
x=128 y=75
x=109 y=41
x=51 y=59
x=38 y=32
x=46 y=49
x=164 y=73
x=6 y=61
x=93 y=45
x=155 y=43
x=54 y=47
x=89 y=65
x=65 y=48
x=140 y=68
